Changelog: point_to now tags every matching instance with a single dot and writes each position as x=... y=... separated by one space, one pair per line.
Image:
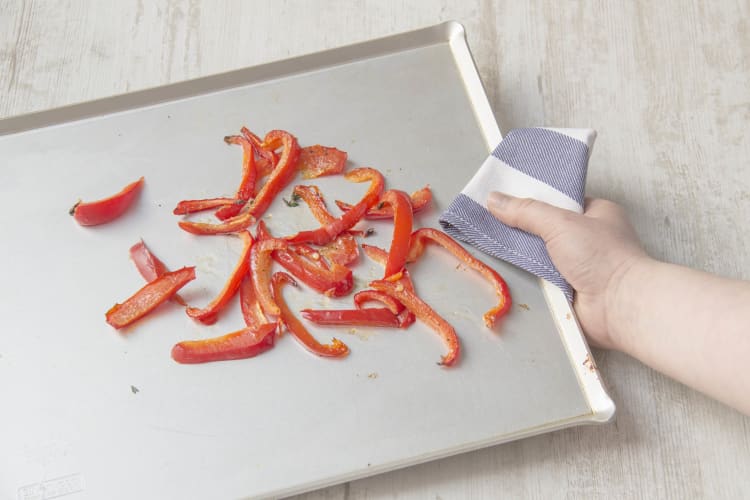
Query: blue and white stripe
x=547 y=164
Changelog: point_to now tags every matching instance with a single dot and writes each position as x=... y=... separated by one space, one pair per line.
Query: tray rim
x=601 y=406
x=273 y=70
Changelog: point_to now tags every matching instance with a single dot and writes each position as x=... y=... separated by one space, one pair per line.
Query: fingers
x=529 y=215
x=603 y=209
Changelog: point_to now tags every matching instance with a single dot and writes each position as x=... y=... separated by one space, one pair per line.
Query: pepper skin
x=317 y=161
x=422 y=236
x=150 y=267
x=241 y=344
x=149 y=297
x=419 y=200
x=376 y=317
x=246 y=189
x=209 y=314
x=93 y=213
x=328 y=232
x=402 y=224
x=335 y=349
x=398 y=290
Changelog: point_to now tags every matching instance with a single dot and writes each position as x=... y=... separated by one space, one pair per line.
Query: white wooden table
x=666 y=84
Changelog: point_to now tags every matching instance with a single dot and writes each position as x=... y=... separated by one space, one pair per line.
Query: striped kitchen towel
x=542 y=163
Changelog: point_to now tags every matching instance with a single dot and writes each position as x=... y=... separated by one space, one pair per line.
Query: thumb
x=527 y=214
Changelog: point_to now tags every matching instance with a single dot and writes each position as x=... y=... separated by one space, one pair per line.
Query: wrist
x=624 y=292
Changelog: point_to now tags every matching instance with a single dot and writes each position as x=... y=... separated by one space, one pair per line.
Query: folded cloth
x=542 y=163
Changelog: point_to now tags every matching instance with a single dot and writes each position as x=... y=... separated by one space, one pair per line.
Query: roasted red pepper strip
x=312 y=254
x=281 y=175
x=251 y=311
x=260 y=268
x=92 y=213
x=402 y=224
x=149 y=297
x=335 y=349
x=343 y=250
x=379 y=317
x=235 y=224
x=246 y=190
x=150 y=266
x=314 y=200
x=267 y=159
x=405 y=316
x=317 y=161
x=191 y=206
x=262 y=232
x=398 y=290
x=393 y=315
x=424 y=235
x=362 y=297
x=328 y=232
x=419 y=199
x=334 y=282
x=209 y=314
x=380 y=256
x=254 y=139
x=241 y=344
x=266 y=165
x=375 y=253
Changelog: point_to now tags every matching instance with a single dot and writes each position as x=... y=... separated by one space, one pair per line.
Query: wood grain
x=665 y=84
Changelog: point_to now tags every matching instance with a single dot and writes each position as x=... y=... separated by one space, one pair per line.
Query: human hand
x=593 y=251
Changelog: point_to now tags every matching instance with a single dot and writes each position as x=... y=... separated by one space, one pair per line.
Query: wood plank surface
x=665 y=83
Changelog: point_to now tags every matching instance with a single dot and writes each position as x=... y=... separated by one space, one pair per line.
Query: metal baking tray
x=94 y=413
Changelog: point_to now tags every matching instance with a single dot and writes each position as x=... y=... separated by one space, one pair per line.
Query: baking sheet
x=93 y=413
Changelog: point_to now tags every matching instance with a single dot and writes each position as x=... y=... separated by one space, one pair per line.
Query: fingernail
x=497 y=201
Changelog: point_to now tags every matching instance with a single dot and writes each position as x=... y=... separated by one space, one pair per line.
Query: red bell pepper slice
x=335 y=349
x=266 y=165
x=405 y=317
x=364 y=296
x=282 y=174
x=149 y=297
x=424 y=235
x=93 y=213
x=246 y=189
x=328 y=232
x=241 y=344
x=419 y=200
x=343 y=250
x=312 y=254
x=317 y=161
x=375 y=317
x=267 y=159
x=236 y=224
x=375 y=253
x=262 y=232
x=191 y=206
x=314 y=200
x=309 y=253
x=334 y=282
x=398 y=290
x=402 y=224
x=260 y=268
x=251 y=311
x=209 y=314
x=149 y=266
